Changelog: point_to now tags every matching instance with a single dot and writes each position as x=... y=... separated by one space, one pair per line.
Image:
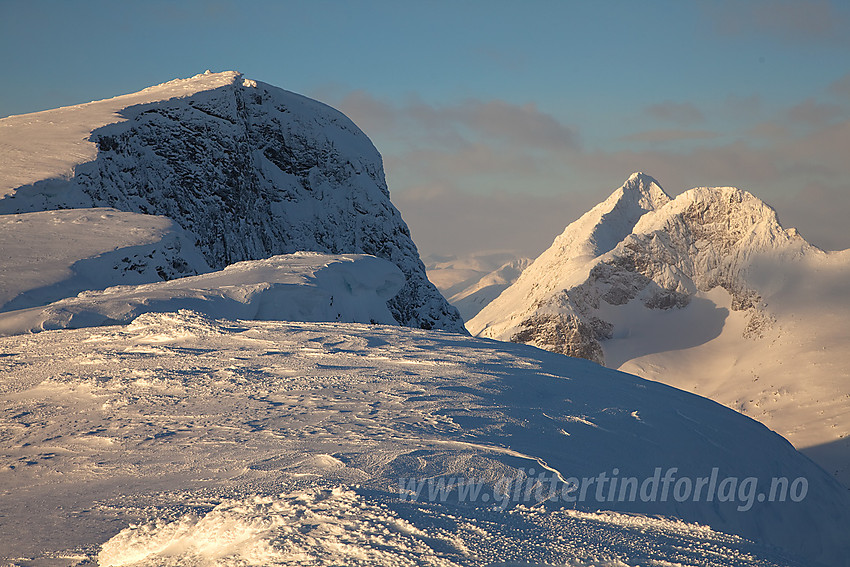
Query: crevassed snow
x=296 y=287
x=51 y=255
x=240 y=441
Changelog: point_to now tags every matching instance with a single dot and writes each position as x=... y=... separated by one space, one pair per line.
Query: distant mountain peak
x=637 y=244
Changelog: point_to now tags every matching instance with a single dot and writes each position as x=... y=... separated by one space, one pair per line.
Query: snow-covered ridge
x=60 y=139
x=298 y=287
x=639 y=244
x=471 y=282
x=248 y=169
x=535 y=300
x=51 y=255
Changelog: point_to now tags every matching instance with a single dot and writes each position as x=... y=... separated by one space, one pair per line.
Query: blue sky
x=500 y=122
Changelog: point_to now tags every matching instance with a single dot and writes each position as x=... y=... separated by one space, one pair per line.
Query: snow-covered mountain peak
x=568 y=261
x=639 y=244
x=200 y=82
x=617 y=215
x=707 y=292
x=647 y=187
x=725 y=208
x=247 y=169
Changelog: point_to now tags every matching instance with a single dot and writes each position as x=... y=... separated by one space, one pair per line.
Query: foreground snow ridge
x=296 y=287
x=184 y=440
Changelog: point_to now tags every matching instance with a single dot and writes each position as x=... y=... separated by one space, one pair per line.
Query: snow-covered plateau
x=184 y=440
x=706 y=292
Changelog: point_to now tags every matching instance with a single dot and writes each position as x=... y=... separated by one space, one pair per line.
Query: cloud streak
x=676 y=112
x=784 y=20
x=497 y=121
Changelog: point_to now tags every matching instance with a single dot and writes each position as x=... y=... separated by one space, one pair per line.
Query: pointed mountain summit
x=248 y=170
x=563 y=265
x=706 y=292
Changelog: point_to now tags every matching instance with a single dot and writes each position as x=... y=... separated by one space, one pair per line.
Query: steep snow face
x=179 y=439
x=54 y=254
x=665 y=252
x=250 y=170
x=60 y=139
x=299 y=287
x=533 y=309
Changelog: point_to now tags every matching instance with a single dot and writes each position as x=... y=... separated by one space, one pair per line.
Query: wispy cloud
x=471 y=121
x=491 y=175
x=841 y=87
x=445 y=218
x=671 y=135
x=676 y=112
x=813 y=113
x=783 y=20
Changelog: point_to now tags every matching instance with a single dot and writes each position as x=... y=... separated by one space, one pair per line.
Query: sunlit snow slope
x=706 y=292
x=182 y=440
x=248 y=170
x=471 y=283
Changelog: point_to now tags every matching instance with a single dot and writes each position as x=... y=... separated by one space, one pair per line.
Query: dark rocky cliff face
x=252 y=171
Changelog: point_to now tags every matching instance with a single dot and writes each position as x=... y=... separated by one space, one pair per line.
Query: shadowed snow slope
x=248 y=169
x=298 y=287
x=708 y=293
x=182 y=440
x=54 y=254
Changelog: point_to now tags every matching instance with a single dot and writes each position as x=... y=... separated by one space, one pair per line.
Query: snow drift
x=298 y=287
x=55 y=254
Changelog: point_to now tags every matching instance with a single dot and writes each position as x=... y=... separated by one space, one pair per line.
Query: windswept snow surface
x=295 y=287
x=51 y=255
x=706 y=292
x=182 y=440
x=247 y=169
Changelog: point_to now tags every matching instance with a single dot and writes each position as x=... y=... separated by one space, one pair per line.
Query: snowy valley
x=219 y=346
